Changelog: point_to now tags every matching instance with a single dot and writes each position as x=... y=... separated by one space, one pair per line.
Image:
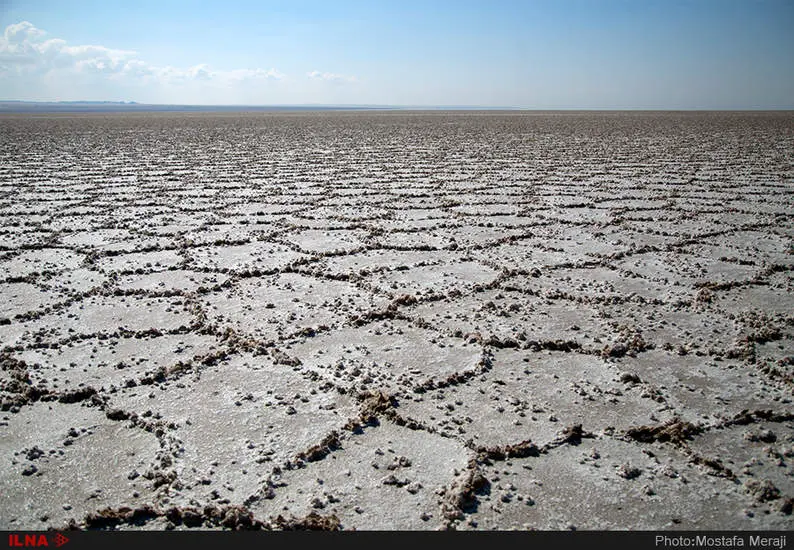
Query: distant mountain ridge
x=90 y=102
x=70 y=102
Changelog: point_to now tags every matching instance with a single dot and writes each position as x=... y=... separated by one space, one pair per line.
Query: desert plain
x=397 y=320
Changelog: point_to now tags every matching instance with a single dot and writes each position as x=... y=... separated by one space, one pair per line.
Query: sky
x=563 y=54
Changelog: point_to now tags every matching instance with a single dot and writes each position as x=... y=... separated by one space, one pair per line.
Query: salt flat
x=397 y=320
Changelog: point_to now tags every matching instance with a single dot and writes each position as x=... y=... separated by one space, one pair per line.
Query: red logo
x=17 y=540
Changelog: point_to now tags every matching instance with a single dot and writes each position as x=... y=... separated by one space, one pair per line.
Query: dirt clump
x=311 y=522
x=673 y=431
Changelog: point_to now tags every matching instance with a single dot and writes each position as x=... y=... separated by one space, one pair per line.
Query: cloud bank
x=23 y=47
x=27 y=52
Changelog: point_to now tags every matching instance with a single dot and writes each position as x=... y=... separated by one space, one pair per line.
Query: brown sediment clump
x=312 y=522
x=500 y=343
x=190 y=517
x=519 y=450
x=110 y=518
x=748 y=417
x=451 y=380
x=627 y=471
x=329 y=444
x=717 y=467
x=281 y=358
x=456 y=378
x=572 y=435
x=630 y=378
x=389 y=312
x=77 y=395
x=674 y=431
x=777 y=370
x=552 y=345
x=374 y=404
x=363 y=319
x=762 y=490
x=117 y=414
x=630 y=343
x=20 y=387
x=237 y=518
x=704 y=296
x=159 y=478
x=461 y=496
x=307 y=332
x=765 y=436
x=22 y=391
x=402 y=300
x=473 y=338
x=154 y=377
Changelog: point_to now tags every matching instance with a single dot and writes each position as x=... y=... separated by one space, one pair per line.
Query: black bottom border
x=150 y=540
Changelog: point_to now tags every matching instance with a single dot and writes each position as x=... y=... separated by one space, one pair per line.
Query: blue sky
x=565 y=54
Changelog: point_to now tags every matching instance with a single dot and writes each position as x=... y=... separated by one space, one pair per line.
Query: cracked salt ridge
x=702 y=389
x=773 y=299
x=153 y=261
x=19 y=298
x=79 y=281
x=236 y=421
x=393 y=355
x=179 y=279
x=759 y=455
x=30 y=262
x=97 y=238
x=533 y=396
x=514 y=317
x=108 y=314
x=386 y=477
x=604 y=483
x=263 y=256
x=266 y=305
x=683 y=328
x=317 y=240
x=377 y=260
x=618 y=351
x=115 y=362
x=436 y=279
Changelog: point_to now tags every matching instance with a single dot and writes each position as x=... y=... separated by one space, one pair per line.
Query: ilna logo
x=17 y=540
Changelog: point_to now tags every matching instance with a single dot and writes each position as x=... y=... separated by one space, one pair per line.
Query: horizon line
x=7 y=106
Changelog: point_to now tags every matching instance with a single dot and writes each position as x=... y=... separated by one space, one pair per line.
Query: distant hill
x=89 y=102
x=13 y=106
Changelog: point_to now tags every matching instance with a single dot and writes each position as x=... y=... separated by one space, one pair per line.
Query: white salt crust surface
x=397 y=321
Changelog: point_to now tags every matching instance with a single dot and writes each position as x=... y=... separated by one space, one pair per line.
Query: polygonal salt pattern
x=397 y=320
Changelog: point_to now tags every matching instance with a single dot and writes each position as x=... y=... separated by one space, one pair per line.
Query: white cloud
x=23 y=47
x=200 y=72
x=25 y=50
x=330 y=77
x=137 y=69
x=35 y=65
x=22 y=32
x=254 y=74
